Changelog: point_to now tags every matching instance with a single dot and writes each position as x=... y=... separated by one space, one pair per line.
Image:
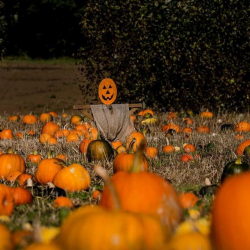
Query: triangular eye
x=110 y=87
x=104 y=87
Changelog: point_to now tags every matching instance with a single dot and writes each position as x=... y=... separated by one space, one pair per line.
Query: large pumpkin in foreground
x=5 y=238
x=10 y=163
x=230 y=214
x=95 y=228
x=145 y=192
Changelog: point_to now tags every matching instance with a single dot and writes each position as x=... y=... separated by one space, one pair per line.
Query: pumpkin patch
x=169 y=177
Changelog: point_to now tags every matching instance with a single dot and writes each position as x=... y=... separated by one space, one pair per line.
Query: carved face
x=107 y=91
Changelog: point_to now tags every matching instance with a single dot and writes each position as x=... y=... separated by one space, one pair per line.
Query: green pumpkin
x=234 y=167
x=99 y=150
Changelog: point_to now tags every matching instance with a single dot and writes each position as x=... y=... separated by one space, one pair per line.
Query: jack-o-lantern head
x=107 y=91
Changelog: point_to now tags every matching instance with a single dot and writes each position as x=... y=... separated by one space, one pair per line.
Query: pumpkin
x=19 y=135
x=21 y=196
x=151 y=152
x=76 y=119
x=10 y=163
x=62 y=157
x=34 y=158
x=62 y=201
x=170 y=126
x=111 y=229
x=53 y=113
x=241 y=147
x=47 y=169
x=148 y=113
x=172 y=116
x=203 y=129
x=107 y=91
x=96 y=195
x=5 y=238
x=6 y=134
x=84 y=145
x=22 y=179
x=189 y=241
x=206 y=114
x=188 y=200
x=187 y=158
x=99 y=150
x=187 y=130
x=148 y=193
x=189 y=148
x=230 y=214
x=13 y=176
x=138 y=138
x=188 y=121
x=239 y=137
x=14 y=118
x=45 y=117
x=116 y=144
x=29 y=119
x=243 y=126
x=44 y=138
x=93 y=133
x=234 y=167
x=72 y=137
x=50 y=128
x=72 y=178
x=169 y=149
x=125 y=162
x=6 y=201
x=43 y=246
x=21 y=238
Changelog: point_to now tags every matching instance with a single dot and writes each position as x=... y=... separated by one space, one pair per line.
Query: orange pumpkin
x=243 y=126
x=47 y=169
x=34 y=158
x=72 y=137
x=6 y=134
x=169 y=149
x=187 y=130
x=138 y=138
x=6 y=242
x=189 y=148
x=152 y=152
x=10 y=163
x=22 y=179
x=6 y=201
x=84 y=145
x=203 y=129
x=187 y=158
x=172 y=116
x=188 y=200
x=21 y=196
x=96 y=195
x=116 y=144
x=14 y=118
x=125 y=162
x=230 y=214
x=207 y=114
x=188 y=121
x=148 y=193
x=50 y=128
x=45 y=117
x=29 y=119
x=62 y=201
x=72 y=178
x=167 y=127
x=107 y=91
x=44 y=138
x=76 y=119
x=242 y=146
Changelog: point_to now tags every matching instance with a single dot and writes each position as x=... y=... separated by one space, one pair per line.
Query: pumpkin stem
x=109 y=183
x=138 y=158
x=238 y=160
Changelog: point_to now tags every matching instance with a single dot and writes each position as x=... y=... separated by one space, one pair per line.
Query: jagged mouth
x=107 y=98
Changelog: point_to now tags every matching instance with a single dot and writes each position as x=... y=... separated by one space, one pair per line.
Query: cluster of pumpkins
x=137 y=209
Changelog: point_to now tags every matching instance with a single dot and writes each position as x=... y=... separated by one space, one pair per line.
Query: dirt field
x=35 y=87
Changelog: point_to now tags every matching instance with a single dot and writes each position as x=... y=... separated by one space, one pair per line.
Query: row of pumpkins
x=137 y=209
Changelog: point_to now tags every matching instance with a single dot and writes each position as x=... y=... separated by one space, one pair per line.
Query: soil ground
x=27 y=87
